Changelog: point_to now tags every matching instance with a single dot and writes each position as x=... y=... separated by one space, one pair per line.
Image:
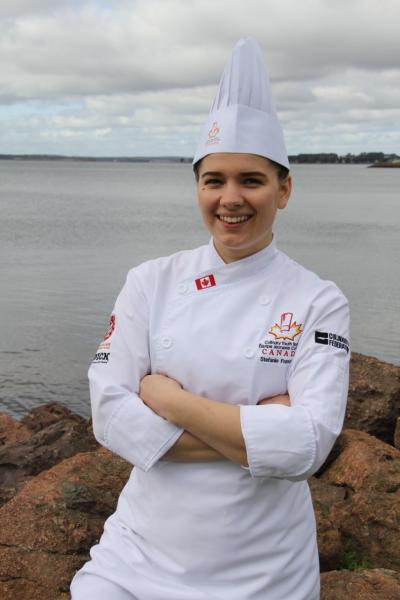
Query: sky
x=137 y=77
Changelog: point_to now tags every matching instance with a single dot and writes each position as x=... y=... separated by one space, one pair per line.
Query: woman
x=223 y=379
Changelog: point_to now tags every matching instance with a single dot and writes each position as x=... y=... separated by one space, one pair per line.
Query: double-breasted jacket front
x=235 y=333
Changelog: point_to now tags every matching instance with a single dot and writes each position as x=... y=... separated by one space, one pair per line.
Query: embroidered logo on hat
x=213 y=134
x=214 y=131
x=205 y=282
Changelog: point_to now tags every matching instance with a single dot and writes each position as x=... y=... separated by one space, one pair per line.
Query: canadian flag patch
x=205 y=282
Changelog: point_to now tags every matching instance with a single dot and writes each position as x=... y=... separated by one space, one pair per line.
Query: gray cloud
x=15 y=8
x=75 y=72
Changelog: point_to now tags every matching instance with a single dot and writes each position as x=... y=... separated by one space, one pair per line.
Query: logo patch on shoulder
x=205 y=282
x=332 y=339
x=110 y=329
x=104 y=350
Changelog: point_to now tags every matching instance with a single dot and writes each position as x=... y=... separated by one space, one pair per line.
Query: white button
x=166 y=341
x=249 y=353
x=182 y=288
x=264 y=300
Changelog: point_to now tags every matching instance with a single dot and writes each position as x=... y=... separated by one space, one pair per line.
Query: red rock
x=374 y=584
x=44 y=448
x=12 y=431
x=47 y=529
x=369 y=472
x=22 y=570
x=374 y=397
x=326 y=498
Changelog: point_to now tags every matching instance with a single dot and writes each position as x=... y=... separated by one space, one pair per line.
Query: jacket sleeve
x=293 y=442
x=121 y=421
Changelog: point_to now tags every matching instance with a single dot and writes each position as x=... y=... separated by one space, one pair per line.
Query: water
x=70 y=231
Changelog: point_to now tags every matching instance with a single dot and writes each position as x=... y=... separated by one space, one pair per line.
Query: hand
x=158 y=392
x=281 y=399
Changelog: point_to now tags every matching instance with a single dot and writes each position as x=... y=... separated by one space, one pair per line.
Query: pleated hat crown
x=243 y=116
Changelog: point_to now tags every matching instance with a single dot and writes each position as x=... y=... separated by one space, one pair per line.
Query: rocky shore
x=57 y=486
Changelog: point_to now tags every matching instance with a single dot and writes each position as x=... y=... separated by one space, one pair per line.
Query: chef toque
x=243 y=116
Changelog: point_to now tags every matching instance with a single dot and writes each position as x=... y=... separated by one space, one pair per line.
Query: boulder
x=374 y=397
x=47 y=529
x=397 y=434
x=46 y=414
x=368 y=471
x=12 y=431
x=326 y=499
x=374 y=584
x=57 y=487
x=47 y=446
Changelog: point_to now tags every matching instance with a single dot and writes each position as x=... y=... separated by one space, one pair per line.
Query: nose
x=231 y=196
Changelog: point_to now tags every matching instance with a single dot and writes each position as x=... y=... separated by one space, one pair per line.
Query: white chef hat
x=243 y=116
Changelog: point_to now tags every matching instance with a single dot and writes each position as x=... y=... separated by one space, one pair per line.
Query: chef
x=223 y=379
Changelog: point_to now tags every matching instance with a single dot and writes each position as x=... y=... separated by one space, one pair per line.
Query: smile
x=240 y=219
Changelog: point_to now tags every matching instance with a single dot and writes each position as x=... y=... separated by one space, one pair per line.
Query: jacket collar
x=249 y=263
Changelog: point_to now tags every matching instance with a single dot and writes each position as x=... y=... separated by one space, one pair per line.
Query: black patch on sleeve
x=321 y=337
x=332 y=339
x=101 y=357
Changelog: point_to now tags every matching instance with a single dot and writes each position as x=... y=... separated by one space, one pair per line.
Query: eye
x=213 y=182
x=252 y=181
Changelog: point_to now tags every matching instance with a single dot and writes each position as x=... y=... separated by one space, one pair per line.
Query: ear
x=285 y=189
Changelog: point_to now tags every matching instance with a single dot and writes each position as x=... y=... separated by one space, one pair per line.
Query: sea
x=71 y=230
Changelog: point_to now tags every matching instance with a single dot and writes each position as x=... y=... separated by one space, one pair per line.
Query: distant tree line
x=332 y=158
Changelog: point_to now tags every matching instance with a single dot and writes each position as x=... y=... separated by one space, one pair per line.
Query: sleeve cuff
x=279 y=440
x=152 y=435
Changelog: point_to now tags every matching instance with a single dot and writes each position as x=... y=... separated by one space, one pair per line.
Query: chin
x=235 y=243
x=232 y=246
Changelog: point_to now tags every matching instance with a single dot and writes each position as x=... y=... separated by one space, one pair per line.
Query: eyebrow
x=242 y=174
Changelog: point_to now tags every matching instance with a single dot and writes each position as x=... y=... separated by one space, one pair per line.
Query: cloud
x=150 y=67
x=15 y=8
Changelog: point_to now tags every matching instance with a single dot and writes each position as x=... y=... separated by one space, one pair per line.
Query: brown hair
x=281 y=171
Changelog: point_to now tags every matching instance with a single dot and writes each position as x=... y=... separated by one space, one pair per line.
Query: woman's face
x=239 y=195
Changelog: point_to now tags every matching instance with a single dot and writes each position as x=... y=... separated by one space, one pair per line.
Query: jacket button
x=249 y=353
x=166 y=342
x=182 y=288
x=264 y=300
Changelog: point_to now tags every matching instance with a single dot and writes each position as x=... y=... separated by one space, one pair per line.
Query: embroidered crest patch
x=280 y=344
x=287 y=330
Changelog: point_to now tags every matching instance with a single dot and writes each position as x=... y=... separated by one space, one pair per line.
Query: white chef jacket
x=235 y=333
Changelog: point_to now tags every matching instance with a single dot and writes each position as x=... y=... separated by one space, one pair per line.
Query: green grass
x=351 y=561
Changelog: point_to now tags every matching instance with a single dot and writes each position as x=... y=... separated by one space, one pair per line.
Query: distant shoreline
x=395 y=165
x=371 y=159
x=60 y=157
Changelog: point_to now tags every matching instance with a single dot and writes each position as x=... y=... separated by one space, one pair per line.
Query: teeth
x=234 y=219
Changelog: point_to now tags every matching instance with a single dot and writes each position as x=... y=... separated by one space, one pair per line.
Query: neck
x=229 y=255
